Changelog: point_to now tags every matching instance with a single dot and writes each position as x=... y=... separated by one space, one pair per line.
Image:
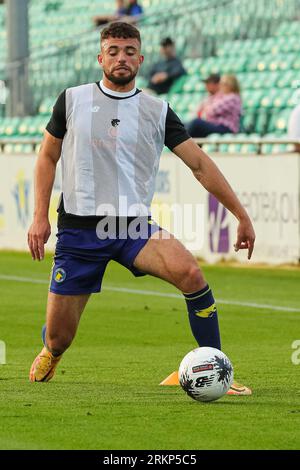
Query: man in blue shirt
x=133 y=8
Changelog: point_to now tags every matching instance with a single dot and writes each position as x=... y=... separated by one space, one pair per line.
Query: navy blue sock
x=203 y=317
x=44 y=335
x=44 y=341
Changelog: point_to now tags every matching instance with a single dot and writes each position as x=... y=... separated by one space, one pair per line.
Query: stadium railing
x=257 y=144
x=32 y=145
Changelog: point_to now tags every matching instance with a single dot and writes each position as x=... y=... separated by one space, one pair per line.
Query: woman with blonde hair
x=224 y=114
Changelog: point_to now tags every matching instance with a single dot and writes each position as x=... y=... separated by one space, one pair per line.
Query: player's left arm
x=211 y=178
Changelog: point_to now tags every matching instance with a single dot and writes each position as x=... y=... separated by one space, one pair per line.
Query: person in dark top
x=128 y=13
x=164 y=73
x=109 y=136
x=133 y=8
x=120 y=11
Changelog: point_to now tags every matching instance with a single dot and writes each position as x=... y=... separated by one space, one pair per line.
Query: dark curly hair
x=120 y=29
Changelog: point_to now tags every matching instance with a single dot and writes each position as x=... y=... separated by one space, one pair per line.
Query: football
x=205 y=374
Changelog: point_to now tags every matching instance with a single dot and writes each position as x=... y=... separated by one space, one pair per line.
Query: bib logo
x=115 y=122
x=218 y=226
x=59 y=275
x=113 y=131
x=21 y=195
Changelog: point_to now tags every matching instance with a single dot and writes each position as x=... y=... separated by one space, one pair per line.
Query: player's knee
x=192 y=280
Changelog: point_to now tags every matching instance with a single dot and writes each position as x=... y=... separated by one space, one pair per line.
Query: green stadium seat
x=282 y=121
x=282 y=98
x=141 y=82
x=262 y=121
x=268 y=98
x=254 y=99
x=190 y=83
x=248 y=120
x=11 y=127
x=179 y=85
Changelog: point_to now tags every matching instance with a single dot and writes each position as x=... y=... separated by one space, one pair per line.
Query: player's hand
x=245 y=237
x=38 y=235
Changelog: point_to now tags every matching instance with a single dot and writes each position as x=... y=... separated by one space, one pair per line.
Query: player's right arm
x=44 y=176
x=211 y=178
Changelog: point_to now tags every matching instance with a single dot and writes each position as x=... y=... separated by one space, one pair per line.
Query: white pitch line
x=160 y=294
x=22 y=279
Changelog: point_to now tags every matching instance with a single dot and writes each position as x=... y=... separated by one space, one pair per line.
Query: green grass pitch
x=105 y=394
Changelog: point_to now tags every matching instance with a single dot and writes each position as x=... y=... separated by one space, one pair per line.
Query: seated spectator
x=224 y=113
x=132 y=12
x=128 y=13
x=164 y=73
x=133 y=8
x=121 y=10
x=212 y=85
x=294 y=126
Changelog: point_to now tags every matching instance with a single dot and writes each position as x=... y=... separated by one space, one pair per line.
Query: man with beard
x=109 y=136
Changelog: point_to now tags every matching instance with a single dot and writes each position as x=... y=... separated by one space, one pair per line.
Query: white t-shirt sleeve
x=294 y=124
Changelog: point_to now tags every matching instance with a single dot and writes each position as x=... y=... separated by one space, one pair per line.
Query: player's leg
x=63 y=315
x=165 y=257
x=79 y=265
x=168 y=259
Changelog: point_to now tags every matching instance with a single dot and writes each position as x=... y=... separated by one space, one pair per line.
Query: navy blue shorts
x=81 y=258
